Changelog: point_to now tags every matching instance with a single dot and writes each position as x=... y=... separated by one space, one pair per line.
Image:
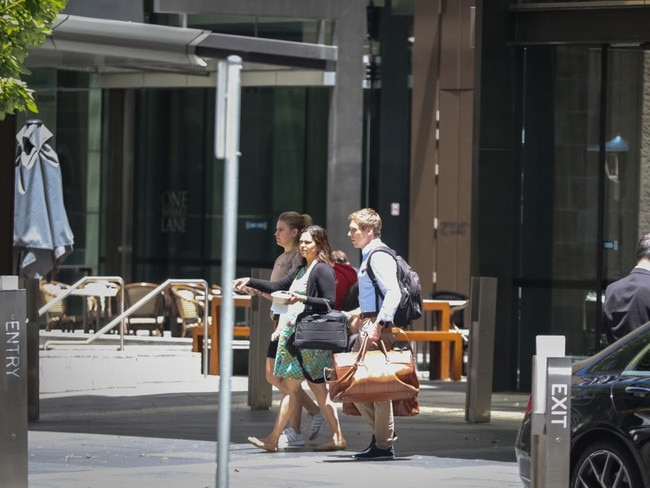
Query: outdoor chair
x=189 y=308
x=151 y=314
x=57 y=315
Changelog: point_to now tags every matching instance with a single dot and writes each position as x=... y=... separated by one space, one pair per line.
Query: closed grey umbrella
x=42 y=233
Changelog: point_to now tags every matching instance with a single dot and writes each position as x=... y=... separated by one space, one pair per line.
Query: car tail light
x=529 y=407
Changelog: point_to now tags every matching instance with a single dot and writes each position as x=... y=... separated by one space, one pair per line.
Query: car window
x=641 y=363
x=620 y=357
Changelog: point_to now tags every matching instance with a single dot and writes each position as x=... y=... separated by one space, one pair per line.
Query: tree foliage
x=23 y=24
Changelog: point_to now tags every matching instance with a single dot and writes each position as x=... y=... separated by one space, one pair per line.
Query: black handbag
x=326 y=331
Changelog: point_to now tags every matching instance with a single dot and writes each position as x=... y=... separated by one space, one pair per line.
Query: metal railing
x=70 y=291
x=127 y=313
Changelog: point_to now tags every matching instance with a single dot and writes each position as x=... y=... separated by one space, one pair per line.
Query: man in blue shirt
x=376 y=317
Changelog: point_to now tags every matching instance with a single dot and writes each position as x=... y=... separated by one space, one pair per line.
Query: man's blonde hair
x=367 y=218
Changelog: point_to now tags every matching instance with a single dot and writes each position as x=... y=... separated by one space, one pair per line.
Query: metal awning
x=98 y=45
x=269 y=51
x=110 y=46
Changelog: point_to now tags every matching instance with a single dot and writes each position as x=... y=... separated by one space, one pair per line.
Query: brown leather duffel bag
x=373 y=376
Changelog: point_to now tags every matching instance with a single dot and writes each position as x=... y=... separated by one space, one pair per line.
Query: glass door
x=580 y=202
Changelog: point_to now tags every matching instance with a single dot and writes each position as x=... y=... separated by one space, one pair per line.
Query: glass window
x=297 y=30
x=178 y=202
x=625 y=217
x=581 y=209
x=643 y=364
x=175 y=210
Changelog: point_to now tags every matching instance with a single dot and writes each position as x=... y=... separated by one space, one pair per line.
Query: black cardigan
x=321 y=286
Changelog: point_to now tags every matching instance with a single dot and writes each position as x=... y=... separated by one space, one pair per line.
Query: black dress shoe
x=367 y=449
x=375 y=454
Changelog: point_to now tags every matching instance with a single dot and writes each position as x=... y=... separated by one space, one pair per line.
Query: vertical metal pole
x=32 y=298
x=13 y=384
x=220 y=112
x=230 y=194
x=480 y=367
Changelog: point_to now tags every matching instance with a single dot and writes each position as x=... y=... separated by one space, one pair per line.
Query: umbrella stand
x=33 y=363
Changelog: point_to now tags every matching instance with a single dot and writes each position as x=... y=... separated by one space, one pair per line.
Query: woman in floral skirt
x=312 y=286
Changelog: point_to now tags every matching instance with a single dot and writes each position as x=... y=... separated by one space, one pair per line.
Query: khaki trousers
x=379 y=415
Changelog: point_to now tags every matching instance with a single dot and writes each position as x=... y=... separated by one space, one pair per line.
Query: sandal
x=332 y=445
x=262 y=444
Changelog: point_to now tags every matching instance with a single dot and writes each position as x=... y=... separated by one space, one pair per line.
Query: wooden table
x=442 y=339
x=241 y=301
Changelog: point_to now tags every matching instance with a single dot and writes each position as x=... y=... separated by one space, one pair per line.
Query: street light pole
x=228 y=97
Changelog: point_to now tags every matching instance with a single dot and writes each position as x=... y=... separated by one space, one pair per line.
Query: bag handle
x=382 y=349
x=365 y=341
x=309 y=310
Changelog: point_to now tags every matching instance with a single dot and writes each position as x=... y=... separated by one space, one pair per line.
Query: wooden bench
x=454 y=364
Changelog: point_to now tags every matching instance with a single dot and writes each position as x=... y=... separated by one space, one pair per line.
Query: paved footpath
x=103 y=461
x=164 y=435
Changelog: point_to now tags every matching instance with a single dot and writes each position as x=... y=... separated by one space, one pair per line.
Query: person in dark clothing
x=627 y=301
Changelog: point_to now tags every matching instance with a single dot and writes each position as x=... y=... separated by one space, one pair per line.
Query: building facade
x=499 y=138
x=561 y=163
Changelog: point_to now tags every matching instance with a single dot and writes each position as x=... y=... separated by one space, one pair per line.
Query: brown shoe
x=262 y=444
x=332 y=445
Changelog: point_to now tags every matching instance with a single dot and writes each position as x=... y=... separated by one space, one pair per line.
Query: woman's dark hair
x=319 y=235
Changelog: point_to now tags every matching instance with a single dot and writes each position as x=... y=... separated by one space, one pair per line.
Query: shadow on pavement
x=440 y=429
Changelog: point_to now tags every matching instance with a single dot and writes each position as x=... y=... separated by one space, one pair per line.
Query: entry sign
x=13 y=400
x=558 y=421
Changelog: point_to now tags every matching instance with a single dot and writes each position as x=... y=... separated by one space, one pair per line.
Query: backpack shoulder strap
x=371 y=274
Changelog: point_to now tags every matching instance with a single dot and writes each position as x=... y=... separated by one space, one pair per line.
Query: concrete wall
x=98 y=368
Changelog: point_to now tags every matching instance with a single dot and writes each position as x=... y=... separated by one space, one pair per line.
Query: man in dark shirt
x=627 y=301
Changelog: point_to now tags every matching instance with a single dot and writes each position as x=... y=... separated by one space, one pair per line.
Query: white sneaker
x=293 y=438
x=317 y=422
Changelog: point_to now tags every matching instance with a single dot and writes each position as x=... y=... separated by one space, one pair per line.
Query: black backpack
x=410 y=306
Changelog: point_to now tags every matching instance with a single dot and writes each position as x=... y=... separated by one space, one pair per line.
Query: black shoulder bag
x=326 y=331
